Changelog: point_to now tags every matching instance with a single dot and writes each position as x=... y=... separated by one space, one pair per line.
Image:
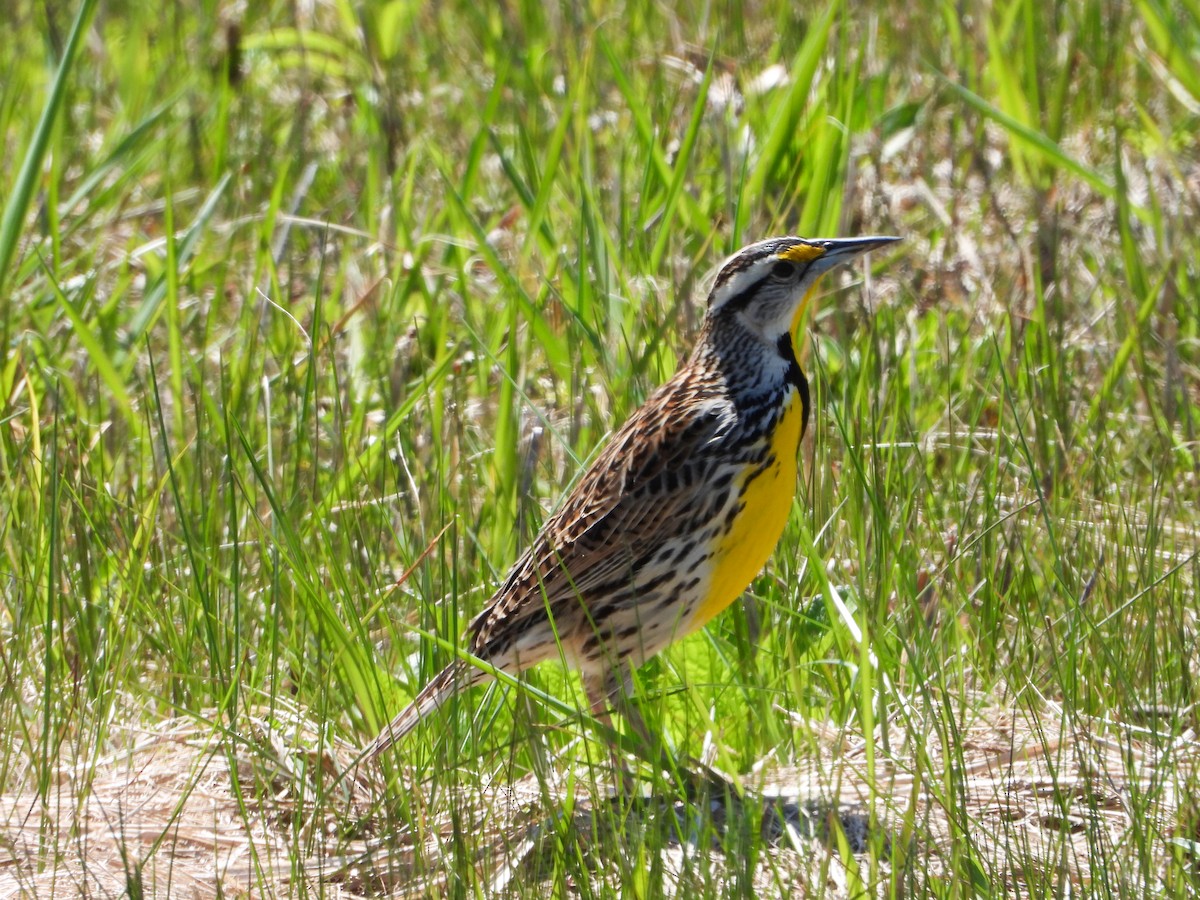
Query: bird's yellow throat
x=767 y=502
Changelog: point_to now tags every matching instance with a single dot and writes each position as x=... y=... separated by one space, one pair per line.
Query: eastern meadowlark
x=680 y=511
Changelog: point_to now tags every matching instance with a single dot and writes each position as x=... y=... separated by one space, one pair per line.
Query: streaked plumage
x=683 y=507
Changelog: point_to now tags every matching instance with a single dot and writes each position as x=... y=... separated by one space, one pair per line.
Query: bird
x=681 y=509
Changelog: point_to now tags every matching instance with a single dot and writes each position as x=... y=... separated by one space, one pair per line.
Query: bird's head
x=767 y=285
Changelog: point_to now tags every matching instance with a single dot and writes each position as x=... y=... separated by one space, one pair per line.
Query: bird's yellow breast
x=766 y=501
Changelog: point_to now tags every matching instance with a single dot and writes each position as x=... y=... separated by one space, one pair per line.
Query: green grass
x=309 y=316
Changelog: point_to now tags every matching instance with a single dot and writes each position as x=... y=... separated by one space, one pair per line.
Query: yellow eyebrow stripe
x=802 y=253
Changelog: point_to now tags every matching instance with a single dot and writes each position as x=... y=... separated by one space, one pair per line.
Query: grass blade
x=22 y=192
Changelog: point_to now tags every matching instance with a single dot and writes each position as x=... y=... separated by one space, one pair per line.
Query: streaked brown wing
x=634 y=496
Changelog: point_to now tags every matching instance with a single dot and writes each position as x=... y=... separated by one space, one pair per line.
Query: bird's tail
x=455 y=677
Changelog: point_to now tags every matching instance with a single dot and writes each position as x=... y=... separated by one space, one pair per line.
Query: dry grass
x=186 y=810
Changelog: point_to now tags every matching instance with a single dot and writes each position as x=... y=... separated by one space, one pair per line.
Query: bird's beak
x=836 y=251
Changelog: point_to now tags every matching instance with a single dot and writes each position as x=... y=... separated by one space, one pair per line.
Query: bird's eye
x=783 y=269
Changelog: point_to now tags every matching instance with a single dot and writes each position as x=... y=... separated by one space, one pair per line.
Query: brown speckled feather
x=619 y=505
